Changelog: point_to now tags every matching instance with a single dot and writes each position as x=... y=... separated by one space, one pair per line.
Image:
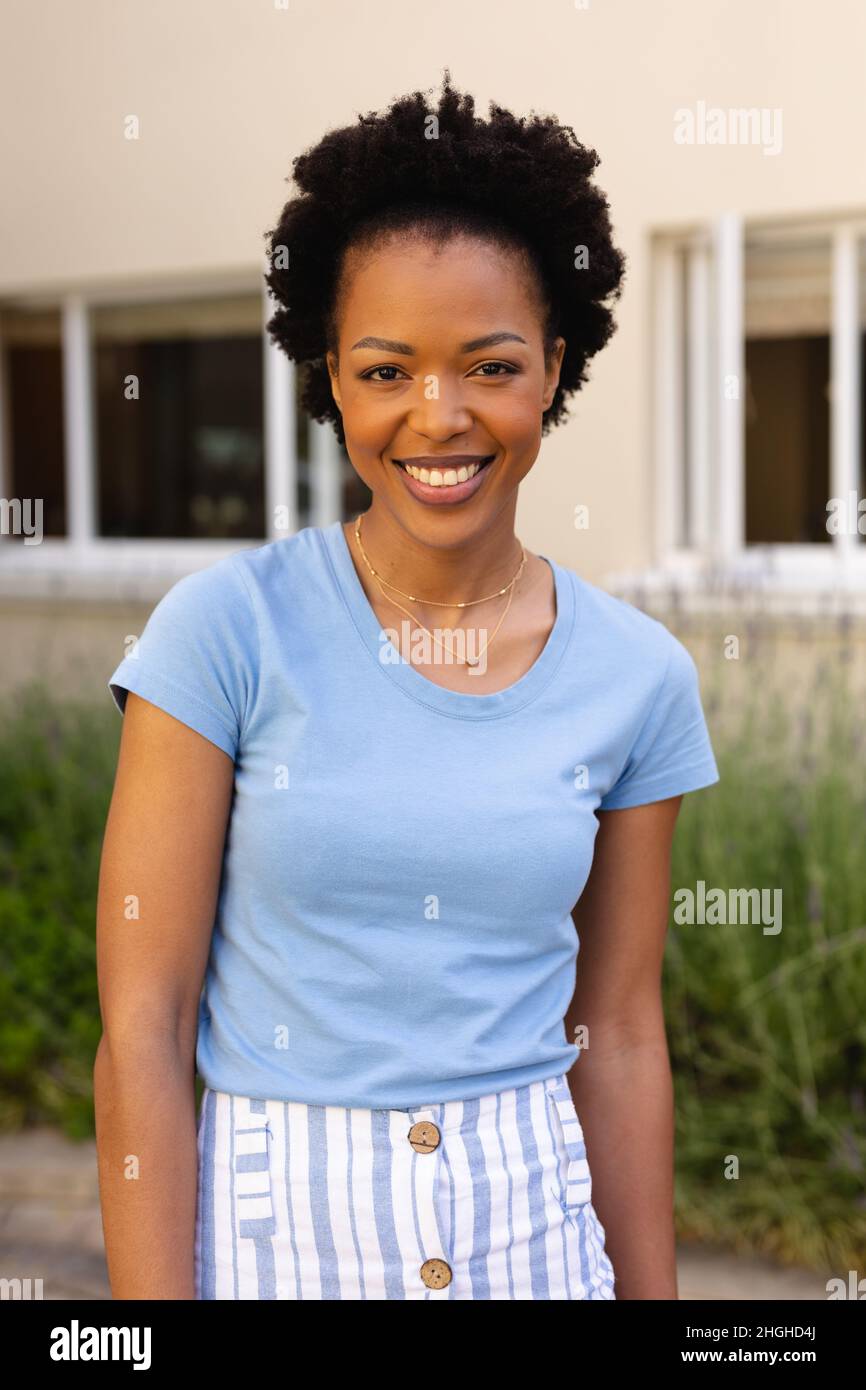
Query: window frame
x=701 y=440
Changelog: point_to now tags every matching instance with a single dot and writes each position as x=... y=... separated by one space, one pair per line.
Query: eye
x=369 y=374
x=505 y=367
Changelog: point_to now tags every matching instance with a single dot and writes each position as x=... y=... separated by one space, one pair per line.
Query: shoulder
x=222 y=579
x=228 y=587
x=280 y=564
x=624 y=640
x=647 y=683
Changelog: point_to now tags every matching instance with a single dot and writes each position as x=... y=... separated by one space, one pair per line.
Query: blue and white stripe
x=300 y=1201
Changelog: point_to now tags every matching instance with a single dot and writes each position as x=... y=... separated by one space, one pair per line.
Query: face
x=441 y=367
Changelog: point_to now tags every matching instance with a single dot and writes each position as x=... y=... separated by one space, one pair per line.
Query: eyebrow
x=406 y=349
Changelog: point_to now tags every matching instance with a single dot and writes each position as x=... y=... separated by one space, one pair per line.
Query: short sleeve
x=672 y=752
x=196 y=657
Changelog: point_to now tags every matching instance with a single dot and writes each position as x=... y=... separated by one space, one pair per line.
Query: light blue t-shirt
x=393 y=926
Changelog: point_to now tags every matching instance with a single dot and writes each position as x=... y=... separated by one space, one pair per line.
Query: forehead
x=412 y=279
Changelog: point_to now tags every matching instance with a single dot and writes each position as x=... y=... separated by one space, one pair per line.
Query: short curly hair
x=520 y=182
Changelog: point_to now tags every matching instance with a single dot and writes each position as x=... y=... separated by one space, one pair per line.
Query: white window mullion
x=668 y=390
x=730 y=386
x=844 y=377
x=699 y=412
x=78 y=417
x=326 y=475
x=281 y=463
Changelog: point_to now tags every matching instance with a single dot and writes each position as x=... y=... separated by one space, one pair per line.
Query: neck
x=466 y=570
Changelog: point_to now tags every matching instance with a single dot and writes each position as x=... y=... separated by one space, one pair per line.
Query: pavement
x=51 y=1229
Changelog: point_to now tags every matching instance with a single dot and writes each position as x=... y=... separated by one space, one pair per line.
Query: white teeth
x=436 y=478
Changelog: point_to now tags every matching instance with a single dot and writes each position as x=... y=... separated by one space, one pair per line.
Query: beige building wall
x=227 y=93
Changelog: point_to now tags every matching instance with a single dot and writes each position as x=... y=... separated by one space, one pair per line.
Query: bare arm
x=621 y=1085
x=161 y=858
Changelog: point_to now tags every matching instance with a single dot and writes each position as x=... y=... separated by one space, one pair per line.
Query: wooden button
x=436 y=1274
x=424 y=1137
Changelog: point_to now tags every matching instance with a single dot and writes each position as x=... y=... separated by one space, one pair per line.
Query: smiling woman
x=447 y=281
x=454 y=421
x=387 y=930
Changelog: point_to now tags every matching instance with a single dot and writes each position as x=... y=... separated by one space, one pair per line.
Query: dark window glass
x=788 y=310
x=787 y=440
x=33 y=394
x=179 y=420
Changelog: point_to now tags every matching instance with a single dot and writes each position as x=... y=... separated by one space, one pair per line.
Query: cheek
x=369 y=415
x=368 y=431
x=515 y=419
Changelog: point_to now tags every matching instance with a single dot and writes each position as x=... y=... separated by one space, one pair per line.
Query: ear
x=552 y=369
x=334 y=374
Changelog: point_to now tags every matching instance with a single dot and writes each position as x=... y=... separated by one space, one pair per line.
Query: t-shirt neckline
x=417 y=686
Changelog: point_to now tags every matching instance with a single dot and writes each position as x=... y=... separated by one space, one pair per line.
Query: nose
x=438 y=409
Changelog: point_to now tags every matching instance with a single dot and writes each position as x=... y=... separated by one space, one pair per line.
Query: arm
x=163 y=843
x=621 y=1085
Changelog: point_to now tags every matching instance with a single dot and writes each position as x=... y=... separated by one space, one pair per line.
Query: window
x=32 y=368
x=788 y=312
x=179 y=421
x=158 y=429
x=758 y=398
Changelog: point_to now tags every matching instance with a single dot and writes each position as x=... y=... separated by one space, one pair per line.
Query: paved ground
x=50 y=1226
x=50 y=1229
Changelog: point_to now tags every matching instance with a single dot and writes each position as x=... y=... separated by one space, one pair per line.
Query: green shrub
x=57 y=761
x=767 y=1032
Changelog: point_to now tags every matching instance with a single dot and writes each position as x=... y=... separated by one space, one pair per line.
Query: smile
x=446 y=475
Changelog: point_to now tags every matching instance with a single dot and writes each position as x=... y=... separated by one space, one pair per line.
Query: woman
x=365 y=819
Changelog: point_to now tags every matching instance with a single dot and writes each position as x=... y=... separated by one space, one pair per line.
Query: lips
x=450 y=470
x=468 y=477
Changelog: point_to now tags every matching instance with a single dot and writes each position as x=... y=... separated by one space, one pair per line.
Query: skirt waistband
x=447 y=1114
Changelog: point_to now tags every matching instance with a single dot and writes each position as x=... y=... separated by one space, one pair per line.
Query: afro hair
x=522 y=182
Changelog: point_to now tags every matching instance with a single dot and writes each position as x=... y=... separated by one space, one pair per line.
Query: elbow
x=139 y=1042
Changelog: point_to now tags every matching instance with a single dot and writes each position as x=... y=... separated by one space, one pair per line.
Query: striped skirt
x=485 y=1199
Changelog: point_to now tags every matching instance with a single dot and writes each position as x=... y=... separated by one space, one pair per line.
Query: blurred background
x=711 y=473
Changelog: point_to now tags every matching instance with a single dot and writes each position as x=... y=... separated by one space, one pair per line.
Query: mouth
x=447 y=474
x=450 y=480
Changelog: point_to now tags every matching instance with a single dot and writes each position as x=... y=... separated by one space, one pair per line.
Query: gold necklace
x=439 y=603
